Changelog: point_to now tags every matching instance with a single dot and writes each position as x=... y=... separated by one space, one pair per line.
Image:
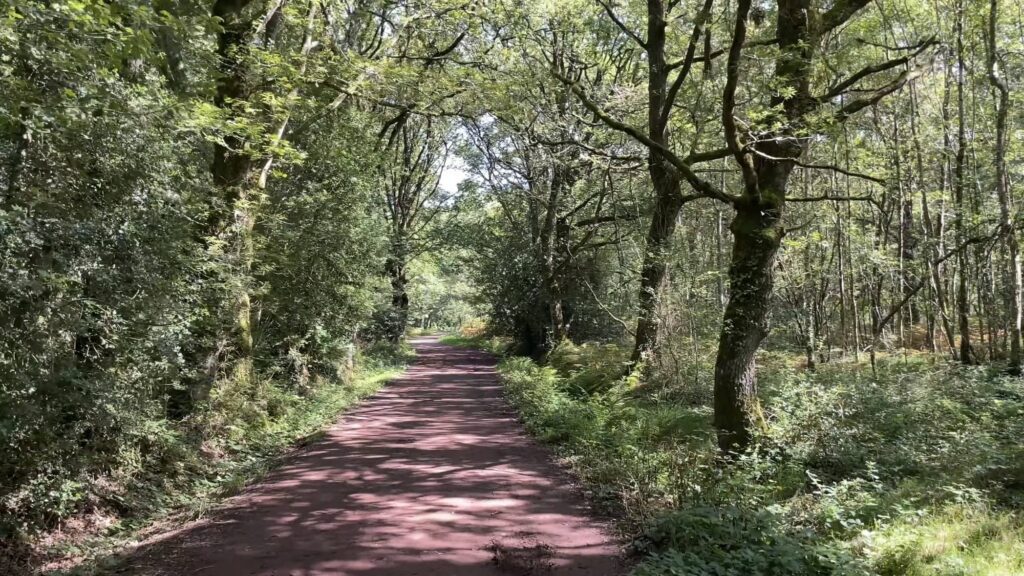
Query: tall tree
x=766 y=158
x=667 y=171
x=1007 y=226
x=412 y=200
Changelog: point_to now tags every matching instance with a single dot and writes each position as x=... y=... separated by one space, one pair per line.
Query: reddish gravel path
x=422 y=479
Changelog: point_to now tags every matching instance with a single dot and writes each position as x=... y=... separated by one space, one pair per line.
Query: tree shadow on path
x=432 y=476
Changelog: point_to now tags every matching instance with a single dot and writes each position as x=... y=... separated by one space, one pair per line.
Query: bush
x=962 y=539
x=915 y=469
x=730 y=541
x=590 y=368
x=473 y=328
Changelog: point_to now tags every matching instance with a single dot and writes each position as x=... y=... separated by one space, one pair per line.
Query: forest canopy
x=726 y=244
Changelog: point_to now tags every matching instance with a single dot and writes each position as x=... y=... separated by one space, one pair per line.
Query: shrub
x=730 y=541
x=914 y=469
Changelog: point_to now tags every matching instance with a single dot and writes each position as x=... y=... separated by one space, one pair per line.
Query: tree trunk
x=398 y=315
x=757 y=235
x=963 y=295
x=667 y=199
x=931 y=234
x=552 y=240
x=228 y=227
x=1013 y=268
x=658 y=245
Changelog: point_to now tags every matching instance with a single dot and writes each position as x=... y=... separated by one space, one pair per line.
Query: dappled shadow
x=424 y=479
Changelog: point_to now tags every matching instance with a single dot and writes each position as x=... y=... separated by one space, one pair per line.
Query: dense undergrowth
x=183 y=468
x=916 y=470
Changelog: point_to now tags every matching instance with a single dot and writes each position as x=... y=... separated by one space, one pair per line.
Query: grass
x=960 y=539
x=917 y=469
x=494 y=344
x=198 y=481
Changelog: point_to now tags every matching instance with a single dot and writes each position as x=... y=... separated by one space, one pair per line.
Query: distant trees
x=412 y=200
x=1008 y=228
x=766 y=150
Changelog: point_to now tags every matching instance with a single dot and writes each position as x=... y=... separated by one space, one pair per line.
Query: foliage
x=914 y=470
x=208 y=207
x=494 y=344
x=191 y=479
x=190 y=253
x=702 y=541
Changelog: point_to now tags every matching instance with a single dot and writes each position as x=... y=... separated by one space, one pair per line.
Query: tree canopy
x=207 y=207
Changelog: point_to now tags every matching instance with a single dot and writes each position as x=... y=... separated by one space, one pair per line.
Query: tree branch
x=962 y=246
x=603 y=219
x=732 y=72
x=711 y=55
x=879 y=93
x=698 y=24
x=831 y=167
x=827 y=197
x=876 y=68
x=622 y=26
x=704 y=187
x=839 y=14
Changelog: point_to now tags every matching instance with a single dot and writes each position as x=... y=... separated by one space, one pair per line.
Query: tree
x=766 y=152
x=412 y=202
x=1006 y=224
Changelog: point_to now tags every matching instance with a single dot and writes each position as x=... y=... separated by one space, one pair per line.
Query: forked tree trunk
x=667 y=199
x=757 y=227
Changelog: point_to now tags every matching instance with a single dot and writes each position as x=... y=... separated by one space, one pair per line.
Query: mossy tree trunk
x=666 y=183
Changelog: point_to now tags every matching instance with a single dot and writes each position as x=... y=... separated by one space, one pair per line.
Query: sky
x=452 y=174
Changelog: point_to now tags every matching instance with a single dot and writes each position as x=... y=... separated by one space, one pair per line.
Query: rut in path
x=433 y=476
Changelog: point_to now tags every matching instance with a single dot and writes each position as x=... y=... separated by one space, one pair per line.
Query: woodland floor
x=433 y=476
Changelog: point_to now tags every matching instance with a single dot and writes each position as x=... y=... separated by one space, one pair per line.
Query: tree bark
x=963 y=295
x=667 y=197
x=395 y=268
x=757 y=235
x=1013 y=266
x=226 y=233
x=655 y=267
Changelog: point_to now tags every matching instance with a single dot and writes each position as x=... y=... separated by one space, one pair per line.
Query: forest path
x=433 y=476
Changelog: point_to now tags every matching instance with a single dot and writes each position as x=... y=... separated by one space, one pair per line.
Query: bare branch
x=831 y=167
x=839 y=14
x=879 y=93
x=698 y=25
x=438 y=55
x=828 y=197
x=603 y=219
x=876 y=68
x=595 y=151
x=917 y=288
x=704 y=187
x=622 y=26
x=709 y=55
x=707 y=156
x=729 y=99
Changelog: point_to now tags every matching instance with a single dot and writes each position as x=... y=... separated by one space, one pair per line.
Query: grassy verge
x=917 y=470
x=497 y=345
x=200 y=479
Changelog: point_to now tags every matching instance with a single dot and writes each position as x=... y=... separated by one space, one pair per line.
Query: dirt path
x=433 y=476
